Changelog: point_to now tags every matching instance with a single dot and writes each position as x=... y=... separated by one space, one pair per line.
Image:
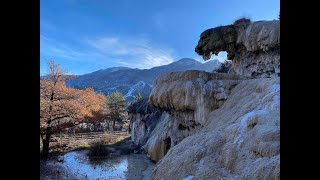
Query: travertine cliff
x=143 y=119
x=253 y=47
x=222 y=125
x=240 y=140
x=182 y=108
x=187 y=98
x=187 y=92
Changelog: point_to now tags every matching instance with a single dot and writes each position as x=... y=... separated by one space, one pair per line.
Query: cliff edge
x=253 y=47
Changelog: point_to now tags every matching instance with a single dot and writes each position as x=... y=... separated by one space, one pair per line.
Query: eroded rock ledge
x=192 y=94
x=254 y=47
x=240 y=140
x=186 y=98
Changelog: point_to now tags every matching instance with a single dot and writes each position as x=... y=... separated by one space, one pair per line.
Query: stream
x=77 y=165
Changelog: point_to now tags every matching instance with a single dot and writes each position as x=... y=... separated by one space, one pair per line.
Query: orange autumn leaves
x=61 y=106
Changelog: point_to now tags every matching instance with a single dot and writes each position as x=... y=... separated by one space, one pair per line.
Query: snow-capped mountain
x=130 y=81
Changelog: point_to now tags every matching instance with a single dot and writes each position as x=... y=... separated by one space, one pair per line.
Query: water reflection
x=78 y=164
x=107 y=163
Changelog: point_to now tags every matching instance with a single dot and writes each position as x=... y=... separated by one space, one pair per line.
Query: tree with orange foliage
x=62 y=107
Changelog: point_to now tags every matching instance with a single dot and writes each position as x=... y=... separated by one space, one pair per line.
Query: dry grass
x=83 y=143
x=63 y=143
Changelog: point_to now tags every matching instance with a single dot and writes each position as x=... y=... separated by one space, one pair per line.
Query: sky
x=88 y=35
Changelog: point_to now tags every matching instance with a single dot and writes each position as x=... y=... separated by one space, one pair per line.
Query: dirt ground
x=61 y=143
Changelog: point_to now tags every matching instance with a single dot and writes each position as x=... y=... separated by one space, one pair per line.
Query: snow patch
x=274 y=104
x=243 y=125
x=188 y=178
x=274 y=93
x=275 y=88
x=134 y=87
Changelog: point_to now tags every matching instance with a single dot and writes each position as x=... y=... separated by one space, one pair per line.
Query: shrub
x=97 y=148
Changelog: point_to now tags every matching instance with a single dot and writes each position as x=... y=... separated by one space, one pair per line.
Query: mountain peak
x=130 y=81
x=186 y=61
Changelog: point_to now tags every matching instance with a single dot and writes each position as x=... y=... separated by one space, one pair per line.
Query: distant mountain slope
x=130 y=81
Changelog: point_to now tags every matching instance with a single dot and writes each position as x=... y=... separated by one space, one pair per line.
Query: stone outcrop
x=240 y=140
x=183 y=96
x=159 y=142
x=222 y=125
x=151 y=129
x=143 y=119
x=253 y=47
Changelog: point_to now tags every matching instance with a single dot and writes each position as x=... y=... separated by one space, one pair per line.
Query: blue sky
x=87 y=35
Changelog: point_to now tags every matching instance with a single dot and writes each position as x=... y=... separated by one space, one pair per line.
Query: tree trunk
x=113 y=125
x=45 y=146
x=109 y=125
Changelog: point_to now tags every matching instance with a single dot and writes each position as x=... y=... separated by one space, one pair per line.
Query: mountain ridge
x=131 y=81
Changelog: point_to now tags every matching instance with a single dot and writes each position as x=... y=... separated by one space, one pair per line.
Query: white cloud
x=50 y=47
x=222 y=56
x=107 y=52
x=134 y=52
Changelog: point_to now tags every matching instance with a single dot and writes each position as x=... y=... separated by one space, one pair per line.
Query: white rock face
x=260 y=55
x=239 y=140
x=254 y=48
x=160 y=142
x=260 y=36
x=138 y=129
x=222 y=126
x=192 y=94
x=187 y=98
x=143 y=119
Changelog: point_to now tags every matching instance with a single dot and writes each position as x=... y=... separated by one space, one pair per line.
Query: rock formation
x=184 y=94
x=184 y=97
x=143 y=119
x=221 y=125
x=150 y=128
x=239 y=140
x=253 y=47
